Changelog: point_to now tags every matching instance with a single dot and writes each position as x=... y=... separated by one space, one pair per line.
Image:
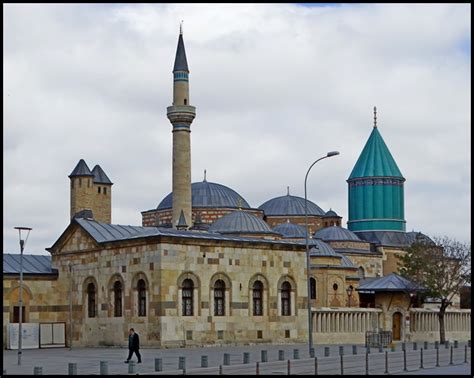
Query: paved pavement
x=88 y=360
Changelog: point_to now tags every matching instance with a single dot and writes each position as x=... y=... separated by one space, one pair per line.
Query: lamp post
x=310 y=325
x=20 y=298
x=349 y=293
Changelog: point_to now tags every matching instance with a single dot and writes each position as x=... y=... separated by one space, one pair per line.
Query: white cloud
x=275 y=87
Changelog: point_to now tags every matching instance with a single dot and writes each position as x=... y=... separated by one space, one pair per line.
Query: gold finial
x=375 y=116
x=204 y=176
x=181 y=27
x=287 y=190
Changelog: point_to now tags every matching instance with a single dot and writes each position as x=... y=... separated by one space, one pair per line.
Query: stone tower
x=91 y=192
x=376 y=199
x=181 y=115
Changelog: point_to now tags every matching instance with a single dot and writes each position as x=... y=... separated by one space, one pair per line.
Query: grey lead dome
x=290 y=205
x=240 y=222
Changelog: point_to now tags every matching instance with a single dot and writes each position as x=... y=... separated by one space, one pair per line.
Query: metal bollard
x=264 y=356
x=342 y=364
x=404 y=346
x=421 y=358
x=380 y=349
x=451 y=357
x=455 y=343
x=246 y=357
x=386 y=362
x=104 y=368
x=368 y=349
x=311 y=352
x=425 y=345
x=158 y=364
x=281 y=355
x=415 y=346
x=436 y=345
x=72 y=368
x=220 y=369
x=37 y=370
x=257 y=369
x=181 y=362
x=204 y=361
x=341 y=350
x=131 y=367
x=404 y=360
x=326 y=351
x=315 y=365
x=446 y=344
x=354 y=349
x=288 y=367
x=437 y=357
x=296 y=354
x=465 y=354
x=366 y=363
x=226 y=359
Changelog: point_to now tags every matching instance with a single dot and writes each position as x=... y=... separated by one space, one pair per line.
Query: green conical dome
x=375 y=159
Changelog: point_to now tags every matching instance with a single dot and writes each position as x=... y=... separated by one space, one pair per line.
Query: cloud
x=276 y=86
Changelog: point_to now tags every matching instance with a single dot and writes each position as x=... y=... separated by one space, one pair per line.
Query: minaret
x=181 y=115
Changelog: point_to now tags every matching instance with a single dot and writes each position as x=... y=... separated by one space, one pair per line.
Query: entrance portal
x=396 y=326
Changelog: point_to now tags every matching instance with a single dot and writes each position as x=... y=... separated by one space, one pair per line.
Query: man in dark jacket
x=133 y=346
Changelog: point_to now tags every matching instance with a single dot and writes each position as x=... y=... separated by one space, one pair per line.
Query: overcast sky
x=275 y=86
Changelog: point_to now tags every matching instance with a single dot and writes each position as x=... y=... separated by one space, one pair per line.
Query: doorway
x=396 y=326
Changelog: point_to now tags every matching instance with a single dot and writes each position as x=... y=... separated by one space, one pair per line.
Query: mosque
x=205 y=267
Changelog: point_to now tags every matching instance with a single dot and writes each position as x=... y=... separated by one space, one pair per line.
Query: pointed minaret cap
x=181 y=222
x=375 y=117
x=99 y=176
x=81 y=169
x=180 y=62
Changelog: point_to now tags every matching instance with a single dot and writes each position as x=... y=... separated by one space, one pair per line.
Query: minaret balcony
x=181 y=113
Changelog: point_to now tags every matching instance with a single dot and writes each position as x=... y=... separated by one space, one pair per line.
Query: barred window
x=257 y=298
x=286 y=299
x=91 y=300
x=141 y=286
x=188 y=294
x=117 y=298
x=312 y=288
x=219 y=298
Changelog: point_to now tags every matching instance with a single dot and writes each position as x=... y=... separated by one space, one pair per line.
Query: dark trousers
x=130 y=354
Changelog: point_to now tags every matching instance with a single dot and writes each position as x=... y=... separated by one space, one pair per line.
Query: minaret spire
x=181 y=28
x=375 y=117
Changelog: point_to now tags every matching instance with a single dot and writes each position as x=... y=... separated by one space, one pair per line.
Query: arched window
x=188 y=291
x=141 y=288
x=185 y=101
x=257 y=298
x=91 y=300
x=286 y=299
x=312 y=288
x=361 y=272
x=219 y=298
x=117 y=298
x=98 y=190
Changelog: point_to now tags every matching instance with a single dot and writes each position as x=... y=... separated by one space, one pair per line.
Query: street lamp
x=20 y=299
x=310 y=325
x=349 y=291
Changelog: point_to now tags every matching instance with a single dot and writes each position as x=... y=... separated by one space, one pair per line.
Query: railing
x=378 y=338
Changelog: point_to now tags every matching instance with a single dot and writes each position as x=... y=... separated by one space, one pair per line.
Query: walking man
x=133 y=346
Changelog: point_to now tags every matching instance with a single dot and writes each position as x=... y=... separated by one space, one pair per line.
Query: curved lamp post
x=310 y=323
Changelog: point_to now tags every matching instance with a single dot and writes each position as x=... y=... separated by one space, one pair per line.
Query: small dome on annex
x=331 y=213
x=320 y=248
x=335 y=233
x=209 y=194
x=414 y=236
x=290 y=230
x=290 y=205
x=241 y=222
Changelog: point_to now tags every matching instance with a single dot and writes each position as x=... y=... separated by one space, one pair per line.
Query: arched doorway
x=396 y=326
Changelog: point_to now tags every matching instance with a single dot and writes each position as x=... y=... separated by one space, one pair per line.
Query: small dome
x=240 y=222
x=331 y=213
x=320 y=248
x=419 y=237
x=209 y=194
x=289 y=205
x=346 y=262
x=290 y=230
x=333 y=233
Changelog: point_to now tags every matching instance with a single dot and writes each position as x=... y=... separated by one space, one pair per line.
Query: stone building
x=207 y=268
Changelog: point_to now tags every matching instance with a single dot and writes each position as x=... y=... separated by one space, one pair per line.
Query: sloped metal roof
x=81 y=169
x=209 y=194
x=180 y=62
x=290 y=205
x=290 y=230
x=240 y=222
x=99 y=175
x=392 y=282
x=333 y=233
x=387 y=238
x=375 y=159
x=32 y=264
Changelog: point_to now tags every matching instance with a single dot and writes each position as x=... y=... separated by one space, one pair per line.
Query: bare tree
x=443 y=267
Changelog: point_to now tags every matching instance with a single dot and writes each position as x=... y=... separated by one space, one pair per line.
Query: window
x=80 y=182
x=185 y=101
x=257 y=298
x=188 y=291
x=312 y=288
x=219 y=298
x=141 y=288
x=105 y=190
x=332 y=223
x=91 y=307
x=335 y=287
x=117 y=298
x=16 y=314
x=98 y=190
x=361 y=272
x=286 y=299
